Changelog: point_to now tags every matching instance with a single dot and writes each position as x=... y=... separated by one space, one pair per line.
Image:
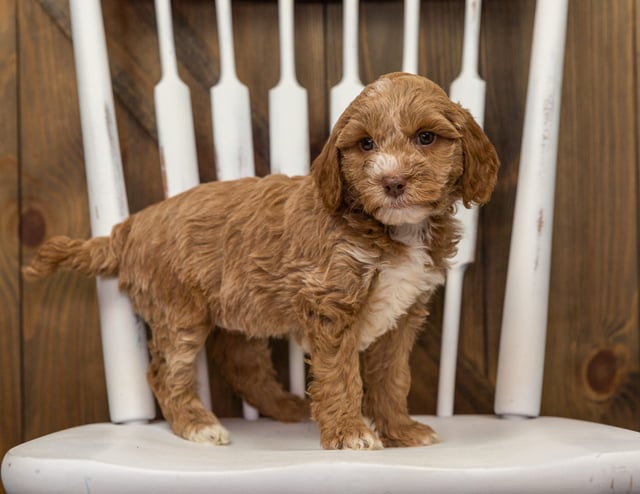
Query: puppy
x=344 y=259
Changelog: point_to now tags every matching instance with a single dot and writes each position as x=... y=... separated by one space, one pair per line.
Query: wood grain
x=63 y=373
x=593 y=340
x=10 y=346
x=593 y=356
x=504 y=62
x=134 y=64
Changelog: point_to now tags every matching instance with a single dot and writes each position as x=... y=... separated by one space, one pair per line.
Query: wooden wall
x=51 y=374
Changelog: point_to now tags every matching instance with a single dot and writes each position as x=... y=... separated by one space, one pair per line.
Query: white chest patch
x=399 y=283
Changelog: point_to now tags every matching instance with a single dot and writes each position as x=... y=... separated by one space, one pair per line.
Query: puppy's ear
x=325 y=171
x=480 y=160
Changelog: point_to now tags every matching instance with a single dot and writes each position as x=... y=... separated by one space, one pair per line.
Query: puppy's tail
x=99 y=256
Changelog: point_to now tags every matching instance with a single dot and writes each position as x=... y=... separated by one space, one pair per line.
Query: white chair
x=514 y=451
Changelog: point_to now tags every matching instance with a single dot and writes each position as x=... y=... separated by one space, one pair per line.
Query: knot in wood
x=602 y=372
x=32 y=228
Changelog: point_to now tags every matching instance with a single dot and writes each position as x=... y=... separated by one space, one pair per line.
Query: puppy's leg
x=172 y=375
x=247 y=366
x=388 y=378
x=336 y=390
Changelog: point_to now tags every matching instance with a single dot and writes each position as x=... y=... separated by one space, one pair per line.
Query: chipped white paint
x=123 y=337
x=174 y=118
x=524 y=322
x=479 y=453
x=231 y=108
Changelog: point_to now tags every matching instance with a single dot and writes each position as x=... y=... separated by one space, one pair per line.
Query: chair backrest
x=524 y=325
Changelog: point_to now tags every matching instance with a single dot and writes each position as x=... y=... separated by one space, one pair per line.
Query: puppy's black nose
x=394 y=186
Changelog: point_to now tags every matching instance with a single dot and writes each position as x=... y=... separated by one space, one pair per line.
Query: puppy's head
x=402 y=151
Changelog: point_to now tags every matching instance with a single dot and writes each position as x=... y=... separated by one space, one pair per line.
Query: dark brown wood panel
x=592 y=360
x=63 y=373
x=504 y=58
x=63 y=377
x=10 y=346
x=593 y=357
x=134 y=62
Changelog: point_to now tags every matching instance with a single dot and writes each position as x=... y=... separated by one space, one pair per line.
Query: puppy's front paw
x=352 y=437
x=214 y=434
x=408 y=434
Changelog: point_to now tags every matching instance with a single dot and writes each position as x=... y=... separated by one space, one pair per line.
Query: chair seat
x=477 y=454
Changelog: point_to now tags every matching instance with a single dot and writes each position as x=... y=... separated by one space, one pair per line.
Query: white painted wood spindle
x=231 y=107
x=524 y=322
x=123 y=335
x=411 y=33
x=289 y=144
x=468 y=89
x=349 y=86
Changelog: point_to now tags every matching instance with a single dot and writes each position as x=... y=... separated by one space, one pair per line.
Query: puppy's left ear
x=480 y=160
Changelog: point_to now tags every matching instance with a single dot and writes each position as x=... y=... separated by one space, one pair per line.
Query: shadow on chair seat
x=477 y=454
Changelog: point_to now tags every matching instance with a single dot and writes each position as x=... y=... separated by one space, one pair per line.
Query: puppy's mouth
x=401 y=213
x=397 y=204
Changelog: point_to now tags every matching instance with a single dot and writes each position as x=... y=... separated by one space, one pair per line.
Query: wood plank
x=311 y=69
x=255 y=32
x=63 y=372
x=134 y=64
x=10 y=346
x=380 y=36
x=592 y=368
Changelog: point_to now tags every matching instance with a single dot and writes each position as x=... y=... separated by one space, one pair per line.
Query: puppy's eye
x=367 y=144
x=426 y=138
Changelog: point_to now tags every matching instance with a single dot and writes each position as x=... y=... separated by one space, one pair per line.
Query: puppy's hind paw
x=214 y=434
x=409 y=434
x=291 y=408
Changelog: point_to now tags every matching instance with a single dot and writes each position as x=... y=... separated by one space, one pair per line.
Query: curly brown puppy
x=344 y=259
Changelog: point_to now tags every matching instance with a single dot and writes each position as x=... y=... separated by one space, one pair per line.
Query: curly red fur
x=339 y=259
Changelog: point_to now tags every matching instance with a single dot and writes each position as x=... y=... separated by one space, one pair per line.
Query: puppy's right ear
x=325 y=171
